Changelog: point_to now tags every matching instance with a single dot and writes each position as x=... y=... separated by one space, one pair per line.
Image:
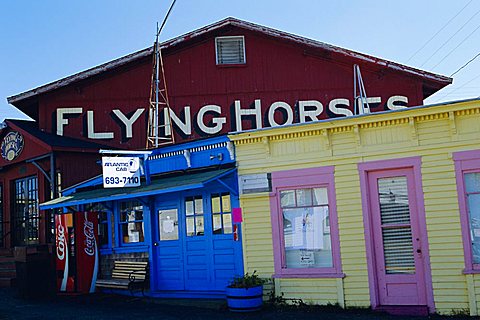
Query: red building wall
x=276 y=70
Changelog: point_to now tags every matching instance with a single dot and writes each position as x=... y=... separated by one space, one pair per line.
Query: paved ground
x=100 y=306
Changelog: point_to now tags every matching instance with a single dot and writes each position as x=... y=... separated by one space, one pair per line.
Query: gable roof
x=52 y=140
x=210 y=29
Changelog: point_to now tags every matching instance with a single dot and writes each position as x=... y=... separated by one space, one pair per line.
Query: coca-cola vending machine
x=76 y=252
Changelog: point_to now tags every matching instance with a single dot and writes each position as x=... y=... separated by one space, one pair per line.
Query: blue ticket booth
x=186 y=222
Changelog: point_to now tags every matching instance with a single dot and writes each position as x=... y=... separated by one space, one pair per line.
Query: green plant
x=247 y=281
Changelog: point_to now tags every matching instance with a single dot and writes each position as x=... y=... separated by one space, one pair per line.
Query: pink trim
x=304 y=178
x=465 y=162
x=364 y=169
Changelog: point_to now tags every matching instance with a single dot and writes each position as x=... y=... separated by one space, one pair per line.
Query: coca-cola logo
x=89 y=232
x=61 y=242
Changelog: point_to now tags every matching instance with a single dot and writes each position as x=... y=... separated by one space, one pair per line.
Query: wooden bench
x=129 y=275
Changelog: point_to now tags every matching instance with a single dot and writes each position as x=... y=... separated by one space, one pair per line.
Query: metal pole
x=157 y=80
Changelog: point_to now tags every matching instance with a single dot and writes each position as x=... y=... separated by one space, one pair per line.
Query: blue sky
x=42 y=41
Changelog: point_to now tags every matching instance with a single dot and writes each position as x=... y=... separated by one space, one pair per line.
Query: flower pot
x=245 y=299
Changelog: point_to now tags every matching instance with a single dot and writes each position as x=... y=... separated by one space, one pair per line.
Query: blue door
x=168 y=250
x=196 y=250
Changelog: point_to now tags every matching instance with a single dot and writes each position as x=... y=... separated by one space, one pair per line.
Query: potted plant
x=245 y=293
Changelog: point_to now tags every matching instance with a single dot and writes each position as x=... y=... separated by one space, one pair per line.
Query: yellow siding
x=432 y=133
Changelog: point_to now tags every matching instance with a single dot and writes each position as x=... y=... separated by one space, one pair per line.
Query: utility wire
x=471 y=60
x=465 y=39
x=461 y=28
x=441 y=29
x=455 y=90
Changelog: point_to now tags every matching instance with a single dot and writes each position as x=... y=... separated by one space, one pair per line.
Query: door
x=25 y=211
x=168 y=250
x=399 y=263
x=195 y=246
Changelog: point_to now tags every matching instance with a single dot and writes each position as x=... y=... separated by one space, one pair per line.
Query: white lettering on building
x=206 y=123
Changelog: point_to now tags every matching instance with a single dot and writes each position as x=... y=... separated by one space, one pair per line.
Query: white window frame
x=230 y=64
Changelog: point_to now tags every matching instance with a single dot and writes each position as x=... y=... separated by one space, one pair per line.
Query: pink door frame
x=413 y=163
x=410 y=286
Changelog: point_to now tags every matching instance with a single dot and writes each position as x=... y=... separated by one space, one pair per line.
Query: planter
x=245 y=299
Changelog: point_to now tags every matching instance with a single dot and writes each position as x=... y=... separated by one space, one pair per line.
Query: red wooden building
x=229 y=76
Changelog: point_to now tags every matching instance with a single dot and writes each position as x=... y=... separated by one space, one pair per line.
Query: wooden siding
x=433 y=133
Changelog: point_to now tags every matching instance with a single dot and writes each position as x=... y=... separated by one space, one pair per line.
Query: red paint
x=87 y=259
x=276 y=70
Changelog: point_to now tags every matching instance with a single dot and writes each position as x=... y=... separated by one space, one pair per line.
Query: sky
x=43 y=41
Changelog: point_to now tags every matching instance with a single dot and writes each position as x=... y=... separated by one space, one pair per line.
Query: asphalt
x=108 y=306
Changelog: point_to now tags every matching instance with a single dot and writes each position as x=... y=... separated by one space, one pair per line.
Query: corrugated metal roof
x=215 y=26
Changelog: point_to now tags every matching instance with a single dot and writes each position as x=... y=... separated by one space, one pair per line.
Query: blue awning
x=160 y=185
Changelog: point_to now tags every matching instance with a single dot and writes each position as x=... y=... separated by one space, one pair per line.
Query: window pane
x=216 y=204
x=217 y=223
x=131 y=219
x=226 y=206
x=472 y=182
x=320 y=196
x=189 y=207
x=227 y=223
x=307 y=238
x=168 y=224
x=132 y=232
x=199 y=225
x=474 y=217
x=304 y=197
x=287 y=198
x=190 y=226
x=198 y=206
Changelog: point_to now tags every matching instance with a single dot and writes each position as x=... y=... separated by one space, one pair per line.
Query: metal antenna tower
x=159 y=98
x=360 y=102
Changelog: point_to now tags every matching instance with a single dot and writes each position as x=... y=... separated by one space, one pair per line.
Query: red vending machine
x=76 y=252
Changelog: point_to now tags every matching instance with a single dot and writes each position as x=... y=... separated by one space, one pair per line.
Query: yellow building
x=379 y=210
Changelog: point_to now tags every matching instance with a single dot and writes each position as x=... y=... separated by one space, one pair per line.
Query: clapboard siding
x=431 y=133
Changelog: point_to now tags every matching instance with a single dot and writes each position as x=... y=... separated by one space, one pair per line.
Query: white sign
x=120 y=172
x=307 y=258
x=252 y=183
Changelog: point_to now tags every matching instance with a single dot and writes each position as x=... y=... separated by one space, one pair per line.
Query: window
x=221 y=214
x=131 y=222
x=467 y=170
x=305 y=234
x=168 y=224
x=194 y=216
x=25 y=211
x=230 y=50
x=306 y=231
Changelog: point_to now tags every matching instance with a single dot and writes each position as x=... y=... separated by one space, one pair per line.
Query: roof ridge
x=113 y=64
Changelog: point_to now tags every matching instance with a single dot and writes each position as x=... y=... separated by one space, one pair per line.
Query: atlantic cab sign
x=12 y=145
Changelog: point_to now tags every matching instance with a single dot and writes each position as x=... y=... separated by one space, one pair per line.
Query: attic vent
x=230 y=50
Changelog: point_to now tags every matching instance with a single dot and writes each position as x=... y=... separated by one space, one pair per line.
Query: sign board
x=252 y=183
x=121 y=172
x=12 y=145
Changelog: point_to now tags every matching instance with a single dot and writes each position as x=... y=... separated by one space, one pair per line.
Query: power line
x=471 y=60
x=455 y=90
x=461 y=28
x=441 y=29
x=457 y=46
